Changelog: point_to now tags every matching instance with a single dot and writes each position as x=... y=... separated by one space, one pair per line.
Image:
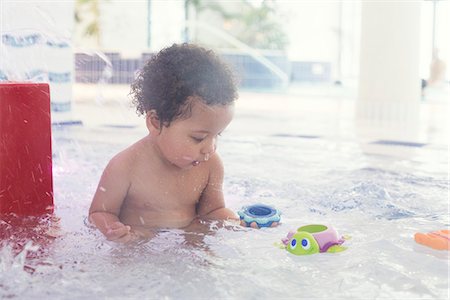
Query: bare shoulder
x=215 y=164
x=121 y=162
x=215 y=172
x=127 y=158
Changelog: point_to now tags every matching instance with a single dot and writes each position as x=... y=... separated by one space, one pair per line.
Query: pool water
x=306 y=157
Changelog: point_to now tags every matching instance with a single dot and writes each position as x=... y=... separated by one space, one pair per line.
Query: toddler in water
x=172 y=178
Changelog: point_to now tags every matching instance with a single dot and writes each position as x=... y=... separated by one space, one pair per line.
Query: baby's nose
x=209 y=149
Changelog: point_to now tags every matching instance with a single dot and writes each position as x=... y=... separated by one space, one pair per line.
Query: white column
x=389 y=80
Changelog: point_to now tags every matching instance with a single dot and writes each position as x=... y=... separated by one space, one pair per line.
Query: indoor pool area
x=331 y=120
x=307 y=156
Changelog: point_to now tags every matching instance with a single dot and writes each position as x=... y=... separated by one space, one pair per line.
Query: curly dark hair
x=177 y=72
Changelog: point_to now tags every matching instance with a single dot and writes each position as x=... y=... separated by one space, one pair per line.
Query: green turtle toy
x=314 y=238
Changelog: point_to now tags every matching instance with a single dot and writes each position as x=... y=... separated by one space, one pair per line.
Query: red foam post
x=26 y=183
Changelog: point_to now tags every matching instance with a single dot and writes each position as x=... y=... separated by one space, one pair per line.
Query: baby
x=172 y=178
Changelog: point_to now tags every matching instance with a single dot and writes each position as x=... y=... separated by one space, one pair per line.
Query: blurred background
x=387 y=55
x=309 y=41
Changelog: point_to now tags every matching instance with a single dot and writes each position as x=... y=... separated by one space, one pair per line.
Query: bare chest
x=158 y=199
x=165 y=193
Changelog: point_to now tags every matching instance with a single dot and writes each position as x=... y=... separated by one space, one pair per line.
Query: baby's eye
x=197 y=139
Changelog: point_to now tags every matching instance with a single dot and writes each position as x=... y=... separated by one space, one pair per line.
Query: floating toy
x=439 y=240
x=312 y=239
x=263 y=215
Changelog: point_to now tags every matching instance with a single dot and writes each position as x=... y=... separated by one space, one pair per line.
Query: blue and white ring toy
x=261 y=214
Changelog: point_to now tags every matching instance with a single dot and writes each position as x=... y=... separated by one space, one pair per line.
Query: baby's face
x=190 y=141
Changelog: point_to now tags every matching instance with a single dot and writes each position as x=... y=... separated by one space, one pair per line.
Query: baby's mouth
x=197 y=162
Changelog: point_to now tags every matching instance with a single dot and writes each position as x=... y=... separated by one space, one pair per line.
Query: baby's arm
x=211 y=204
x=111 y=192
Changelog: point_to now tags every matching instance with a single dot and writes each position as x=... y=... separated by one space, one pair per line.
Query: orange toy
x=439 y=240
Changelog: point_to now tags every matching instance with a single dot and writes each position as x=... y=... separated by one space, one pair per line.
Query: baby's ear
x=152 y=120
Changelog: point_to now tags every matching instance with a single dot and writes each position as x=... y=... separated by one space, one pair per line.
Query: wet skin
x=167 y=179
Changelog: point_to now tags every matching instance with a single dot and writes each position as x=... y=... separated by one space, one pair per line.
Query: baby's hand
x=119 y=232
